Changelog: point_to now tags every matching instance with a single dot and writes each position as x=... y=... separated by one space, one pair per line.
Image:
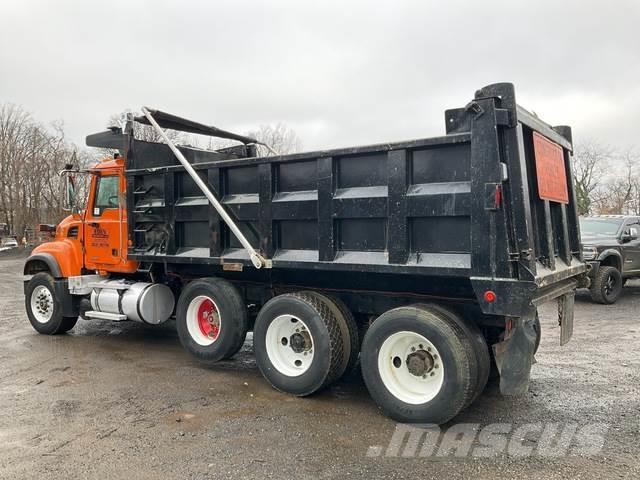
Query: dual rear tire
x=304 y=342
x=424 y=364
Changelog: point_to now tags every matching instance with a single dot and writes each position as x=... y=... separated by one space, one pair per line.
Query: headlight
x=589 y=253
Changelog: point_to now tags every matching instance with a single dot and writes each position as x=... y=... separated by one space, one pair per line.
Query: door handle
x=94 y=224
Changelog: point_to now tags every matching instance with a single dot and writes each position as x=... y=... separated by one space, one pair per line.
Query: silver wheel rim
x=196 y=322
x=42 y=304
x=410 y=367
x=289 y=345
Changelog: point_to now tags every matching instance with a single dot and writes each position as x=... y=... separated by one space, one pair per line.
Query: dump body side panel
x=395 y=208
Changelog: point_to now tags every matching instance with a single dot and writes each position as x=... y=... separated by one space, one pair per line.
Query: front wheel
x=43 y=308
x=606 y=286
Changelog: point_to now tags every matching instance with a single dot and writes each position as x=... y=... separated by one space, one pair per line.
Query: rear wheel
x=43 y=308
x=417 y=365
x=211 y=319
x=606 y=286
x=298 y=343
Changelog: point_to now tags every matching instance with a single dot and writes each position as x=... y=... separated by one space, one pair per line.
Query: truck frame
x=422 y=260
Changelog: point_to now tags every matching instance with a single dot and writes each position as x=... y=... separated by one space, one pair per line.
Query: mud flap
x=68 y=302
x=514 y=356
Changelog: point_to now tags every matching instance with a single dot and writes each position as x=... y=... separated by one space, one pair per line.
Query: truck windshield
x=600 y=226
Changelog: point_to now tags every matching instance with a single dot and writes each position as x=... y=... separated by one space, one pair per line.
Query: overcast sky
x=340 y=73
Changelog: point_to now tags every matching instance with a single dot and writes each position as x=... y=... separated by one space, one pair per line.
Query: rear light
x=490 y=296
x=498 y=197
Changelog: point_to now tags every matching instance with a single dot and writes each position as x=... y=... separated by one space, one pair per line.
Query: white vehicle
x=9 y=242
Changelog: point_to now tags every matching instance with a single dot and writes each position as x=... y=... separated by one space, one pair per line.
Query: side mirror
x=631 y=234
x=66 y=193
x=69 y=191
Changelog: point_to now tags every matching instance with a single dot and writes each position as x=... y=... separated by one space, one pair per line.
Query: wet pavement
x=123 y=400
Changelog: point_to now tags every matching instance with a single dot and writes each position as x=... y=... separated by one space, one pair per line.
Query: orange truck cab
x=89 y=241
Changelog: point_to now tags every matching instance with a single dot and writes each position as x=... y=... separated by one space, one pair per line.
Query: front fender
x=42 y=262
x=611 y=252
x=63 y=258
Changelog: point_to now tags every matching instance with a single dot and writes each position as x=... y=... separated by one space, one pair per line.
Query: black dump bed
x=450 y=216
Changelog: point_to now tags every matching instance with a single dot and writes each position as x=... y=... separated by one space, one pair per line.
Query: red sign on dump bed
x=552 y=176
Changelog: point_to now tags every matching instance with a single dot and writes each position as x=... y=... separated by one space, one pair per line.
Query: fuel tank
x=144 y=302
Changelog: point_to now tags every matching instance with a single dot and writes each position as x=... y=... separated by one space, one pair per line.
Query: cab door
x=103 y=223
x=631 y=247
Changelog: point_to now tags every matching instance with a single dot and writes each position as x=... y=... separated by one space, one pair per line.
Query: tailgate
x=525 y=241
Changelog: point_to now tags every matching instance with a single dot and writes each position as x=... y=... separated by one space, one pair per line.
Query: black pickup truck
x=611 y=244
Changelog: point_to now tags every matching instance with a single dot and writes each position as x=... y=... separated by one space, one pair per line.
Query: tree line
x=607 y=180
x=32 y=155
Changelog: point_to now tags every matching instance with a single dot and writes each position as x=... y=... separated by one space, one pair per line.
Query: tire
x=606 y=286
x=43 y=308
x=434 y=395
x=478 y=344
x=298 y=343
x=349 y=328
x=219 y=302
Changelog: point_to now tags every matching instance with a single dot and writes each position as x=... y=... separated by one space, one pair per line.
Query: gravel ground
x=121 y=400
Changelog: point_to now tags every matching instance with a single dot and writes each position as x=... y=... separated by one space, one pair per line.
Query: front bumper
x=594 y=265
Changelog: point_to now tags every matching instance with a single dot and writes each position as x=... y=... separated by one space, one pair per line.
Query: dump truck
x=422 y=262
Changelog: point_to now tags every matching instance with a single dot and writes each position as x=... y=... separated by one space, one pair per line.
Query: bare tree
x=619 y=193
x=589 y=161
x=280 y=137
x=31 y=157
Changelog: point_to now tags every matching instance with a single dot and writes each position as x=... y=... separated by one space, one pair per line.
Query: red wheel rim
x=209 y=319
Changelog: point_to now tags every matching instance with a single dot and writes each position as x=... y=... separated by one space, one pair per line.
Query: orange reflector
x=490 y=296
